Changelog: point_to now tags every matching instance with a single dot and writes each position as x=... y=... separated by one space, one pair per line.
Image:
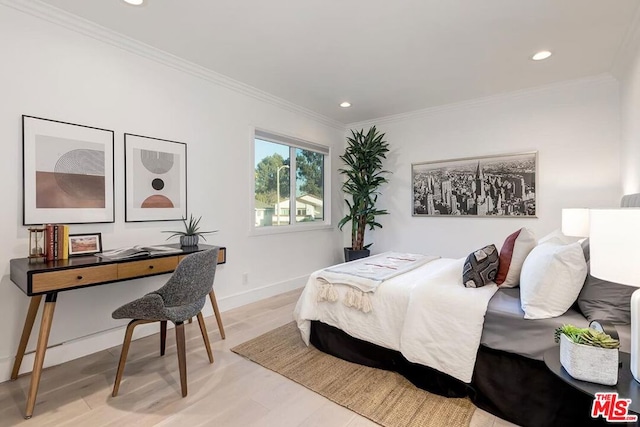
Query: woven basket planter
x=587 y=363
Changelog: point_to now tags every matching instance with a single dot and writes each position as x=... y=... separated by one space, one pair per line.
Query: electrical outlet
x=245 y=278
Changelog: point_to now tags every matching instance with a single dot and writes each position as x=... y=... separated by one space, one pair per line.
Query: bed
x=509 y=378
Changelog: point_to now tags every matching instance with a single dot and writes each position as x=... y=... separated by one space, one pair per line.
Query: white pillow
x=559 y=237
x=551 y=279
x=512 y=256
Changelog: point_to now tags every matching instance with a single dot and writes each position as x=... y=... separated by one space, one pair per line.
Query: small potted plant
x=191 y=233
x=588 y=355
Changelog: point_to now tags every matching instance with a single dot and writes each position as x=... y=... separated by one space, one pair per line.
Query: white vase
x=588 y=363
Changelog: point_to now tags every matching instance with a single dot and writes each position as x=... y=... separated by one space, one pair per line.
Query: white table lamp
x=615 y=257
x=575 y=222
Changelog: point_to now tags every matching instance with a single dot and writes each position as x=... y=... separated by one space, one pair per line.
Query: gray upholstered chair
x=181 y=298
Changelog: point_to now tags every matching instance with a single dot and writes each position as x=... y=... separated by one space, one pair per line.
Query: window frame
x=292 y=143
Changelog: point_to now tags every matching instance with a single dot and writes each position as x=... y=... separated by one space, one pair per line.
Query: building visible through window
x=279 y=192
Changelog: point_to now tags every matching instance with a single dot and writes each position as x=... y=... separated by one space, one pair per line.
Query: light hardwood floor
x=231 y=392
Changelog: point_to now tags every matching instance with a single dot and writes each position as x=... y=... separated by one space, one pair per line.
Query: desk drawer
x=63 y=279
x=147 y=267
x=222 y=256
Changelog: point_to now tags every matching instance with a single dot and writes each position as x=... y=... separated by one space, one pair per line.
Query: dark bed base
x=510 y=386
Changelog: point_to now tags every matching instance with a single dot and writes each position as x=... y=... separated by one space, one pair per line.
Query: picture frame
x=67 y=174
x=155 y=179
x=85 y=244
x=502 y=186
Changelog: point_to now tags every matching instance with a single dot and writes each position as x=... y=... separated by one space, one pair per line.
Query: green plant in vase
x=191 y=234
x=586 y=336
x=364 y=175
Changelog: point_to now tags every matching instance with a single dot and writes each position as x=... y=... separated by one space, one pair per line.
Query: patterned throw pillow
x=480 y=267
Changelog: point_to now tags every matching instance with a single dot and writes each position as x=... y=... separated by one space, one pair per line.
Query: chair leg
x=163 y=336
x=205 y=336
x=216 y=311
x=125 y=351
x=182 y=357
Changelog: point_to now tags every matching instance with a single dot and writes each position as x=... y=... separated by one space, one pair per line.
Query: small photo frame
x=155 y=177
x=85 y=244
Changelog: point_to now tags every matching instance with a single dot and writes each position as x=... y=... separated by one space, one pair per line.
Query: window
x=283 y=198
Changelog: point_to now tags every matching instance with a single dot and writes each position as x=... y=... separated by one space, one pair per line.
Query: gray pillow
x=603 y=300
x=586 y=249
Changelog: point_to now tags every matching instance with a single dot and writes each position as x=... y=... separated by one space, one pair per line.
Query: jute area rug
x=384 y=397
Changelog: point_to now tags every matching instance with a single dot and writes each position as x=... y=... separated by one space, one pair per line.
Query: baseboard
x=256 y=294
x=102 y=340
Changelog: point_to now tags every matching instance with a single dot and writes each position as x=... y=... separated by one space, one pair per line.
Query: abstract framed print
x=155 y=179
x=502 y=186
x=67 y=172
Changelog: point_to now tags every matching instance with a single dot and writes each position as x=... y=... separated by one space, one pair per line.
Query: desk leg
x=216 y=311
x=34 y=304
x=41 y=349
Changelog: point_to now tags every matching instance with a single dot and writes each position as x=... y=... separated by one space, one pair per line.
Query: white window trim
x=297 y=143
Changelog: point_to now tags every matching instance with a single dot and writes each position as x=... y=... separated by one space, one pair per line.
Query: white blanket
x=400 y=316
x=443 y=324
x=366 y=274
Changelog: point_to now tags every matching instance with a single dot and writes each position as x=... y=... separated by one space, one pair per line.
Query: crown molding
x=88 y=28
x=628 y=49
x=501 y=97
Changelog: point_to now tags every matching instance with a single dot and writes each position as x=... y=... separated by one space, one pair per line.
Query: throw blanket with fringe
x=365 y=275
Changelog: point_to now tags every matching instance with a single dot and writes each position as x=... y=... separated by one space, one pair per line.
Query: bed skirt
x=512 y=387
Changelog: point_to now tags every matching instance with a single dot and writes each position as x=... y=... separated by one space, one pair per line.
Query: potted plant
x=588 y=355
x=191 y=234
x=364 y=176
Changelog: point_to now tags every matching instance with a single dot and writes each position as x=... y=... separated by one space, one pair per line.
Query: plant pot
x=351 y=255
x=189 y=240
x=587 y=363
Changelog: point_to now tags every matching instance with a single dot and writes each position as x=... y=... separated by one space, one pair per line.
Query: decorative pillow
x=480 y=267
x=514 y=251
x=604 y=300
x=586 y=249
x=558 y=237
x=551 y=279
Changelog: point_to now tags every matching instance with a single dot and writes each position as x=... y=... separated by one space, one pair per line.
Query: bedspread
x=402 y=312
x=443 y=324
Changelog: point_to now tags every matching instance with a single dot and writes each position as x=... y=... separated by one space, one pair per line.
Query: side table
x=627 y=387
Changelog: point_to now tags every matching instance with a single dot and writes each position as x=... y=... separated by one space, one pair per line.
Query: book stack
x=56 y=241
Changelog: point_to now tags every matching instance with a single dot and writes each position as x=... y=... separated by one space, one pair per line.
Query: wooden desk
x=49 y=278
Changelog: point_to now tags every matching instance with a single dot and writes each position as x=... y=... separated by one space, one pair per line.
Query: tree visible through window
x=275 y=157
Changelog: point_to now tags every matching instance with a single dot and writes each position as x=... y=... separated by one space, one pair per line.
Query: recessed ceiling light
x=345 y=104
x=134 y=2
x=539 y=56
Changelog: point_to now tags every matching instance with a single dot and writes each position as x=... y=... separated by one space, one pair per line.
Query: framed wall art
x=155 y=179
x=85 y=244
x=489 y=186
x=67 y=172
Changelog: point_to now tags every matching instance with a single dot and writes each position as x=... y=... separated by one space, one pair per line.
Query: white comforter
x=427 y=314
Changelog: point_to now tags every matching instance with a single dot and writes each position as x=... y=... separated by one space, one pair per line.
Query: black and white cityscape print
x=482 y=186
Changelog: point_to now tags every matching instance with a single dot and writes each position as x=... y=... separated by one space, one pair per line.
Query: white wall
x=573 y=126
x=630 y=117
x=52 y=72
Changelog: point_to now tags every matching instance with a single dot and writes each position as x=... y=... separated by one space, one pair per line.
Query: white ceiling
x=385 y=57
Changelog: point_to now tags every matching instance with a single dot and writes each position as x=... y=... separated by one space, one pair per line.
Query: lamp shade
x=615 y=245
x=575 y=222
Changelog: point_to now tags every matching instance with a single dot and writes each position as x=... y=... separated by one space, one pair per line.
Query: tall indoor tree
x=364 y=174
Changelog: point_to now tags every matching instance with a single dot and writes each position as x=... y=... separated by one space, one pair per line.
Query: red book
x=48 y=241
